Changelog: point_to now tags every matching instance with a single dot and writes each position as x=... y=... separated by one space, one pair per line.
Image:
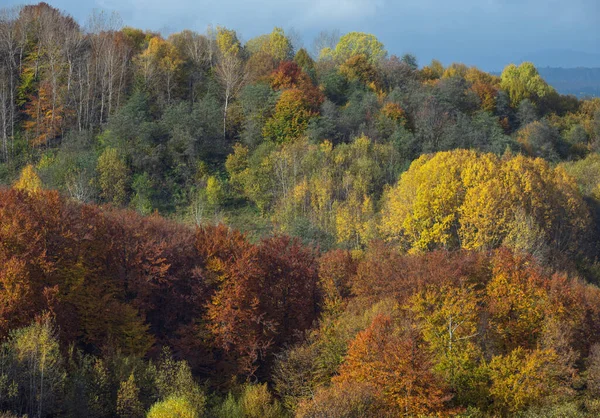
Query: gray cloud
x=488 y=33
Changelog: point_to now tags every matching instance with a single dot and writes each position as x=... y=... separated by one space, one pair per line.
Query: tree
x=523 y=82
x=291 y=117
x=516 y=302
x=520 y=379
x=113 y=177
x=358 y=68
x=276 y=44
x=267 y=294
x=304 y=60
x=348 y=399
x=396 y=364
x=230 y=70
x=32 y=364
x=476 y=201
x=29 y=181
x=539 y=139
x=177 y=389
x=172 y=407
x=410 y=60
x=159 y=65
x=449 y=320
x=357 y=43
x=128 y=402
x=433 y=71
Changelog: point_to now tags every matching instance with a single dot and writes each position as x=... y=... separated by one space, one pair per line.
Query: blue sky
x=486 y=33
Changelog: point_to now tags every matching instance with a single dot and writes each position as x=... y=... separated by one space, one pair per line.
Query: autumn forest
x=197 y=225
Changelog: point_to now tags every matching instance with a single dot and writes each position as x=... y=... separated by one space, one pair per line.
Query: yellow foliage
x=29 y=180
x=476 y=201
x=173 y=407
x=214 y=191
x=520 y=378
x=227 y=41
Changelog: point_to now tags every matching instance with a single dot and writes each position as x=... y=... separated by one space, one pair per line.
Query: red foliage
x=116 y=280
x=384 y=272
x=290 y=76
x=268 y=293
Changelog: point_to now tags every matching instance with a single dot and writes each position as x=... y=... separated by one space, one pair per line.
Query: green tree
x=112 y=177
x=32 y=369
x=357 y=43
x=176 y=386
x=128 y=399
x=276 y=44
x=523 y=82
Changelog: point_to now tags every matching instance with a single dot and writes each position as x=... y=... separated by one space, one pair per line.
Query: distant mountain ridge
x=563 y=58
x=581 y=82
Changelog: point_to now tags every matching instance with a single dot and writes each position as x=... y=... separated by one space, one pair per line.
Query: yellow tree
x=449 y=320
x=112 y=177
x=356 y=43
x=423 y=210
x=523 y=82
x=355 y=220
x=477 y=201
x=276 y=44
x=521 y=378
x=291 y=117
x=516 y=302
x=159 y=65
x=29 y=180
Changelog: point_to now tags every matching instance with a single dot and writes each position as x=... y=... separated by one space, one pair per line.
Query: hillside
x=195 y=226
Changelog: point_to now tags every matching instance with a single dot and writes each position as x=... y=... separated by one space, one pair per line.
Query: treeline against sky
x=416 y=240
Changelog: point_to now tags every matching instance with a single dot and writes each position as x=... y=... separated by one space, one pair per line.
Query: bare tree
x=325 y=39
x=11 y=51
x=110 y=57
x=232 y=75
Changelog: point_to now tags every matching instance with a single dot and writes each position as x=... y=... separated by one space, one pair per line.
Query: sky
x=486 y=33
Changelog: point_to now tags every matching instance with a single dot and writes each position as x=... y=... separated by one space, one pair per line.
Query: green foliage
x=304 y=60
x=523 y=82
x=177 y=388
x=255 y=401
x=276 y=44
x=128 y=402
x=142 y=189
x=32 y=375
x=357 y=43
x=112 y=177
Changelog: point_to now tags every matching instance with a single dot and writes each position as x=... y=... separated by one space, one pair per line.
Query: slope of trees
x=197 y=226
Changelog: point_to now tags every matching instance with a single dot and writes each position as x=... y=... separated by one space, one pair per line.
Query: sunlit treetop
x=356 y=43
x=29 y=180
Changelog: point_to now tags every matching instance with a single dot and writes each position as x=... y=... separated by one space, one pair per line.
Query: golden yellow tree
x=477 y=201
x=29 y=180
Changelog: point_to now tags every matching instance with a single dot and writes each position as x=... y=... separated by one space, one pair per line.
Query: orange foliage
x=290 y=76
x=395 y=362
x=45 y=116
x=267 y=293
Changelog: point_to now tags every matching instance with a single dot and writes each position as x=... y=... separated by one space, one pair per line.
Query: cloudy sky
x=487 y=33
